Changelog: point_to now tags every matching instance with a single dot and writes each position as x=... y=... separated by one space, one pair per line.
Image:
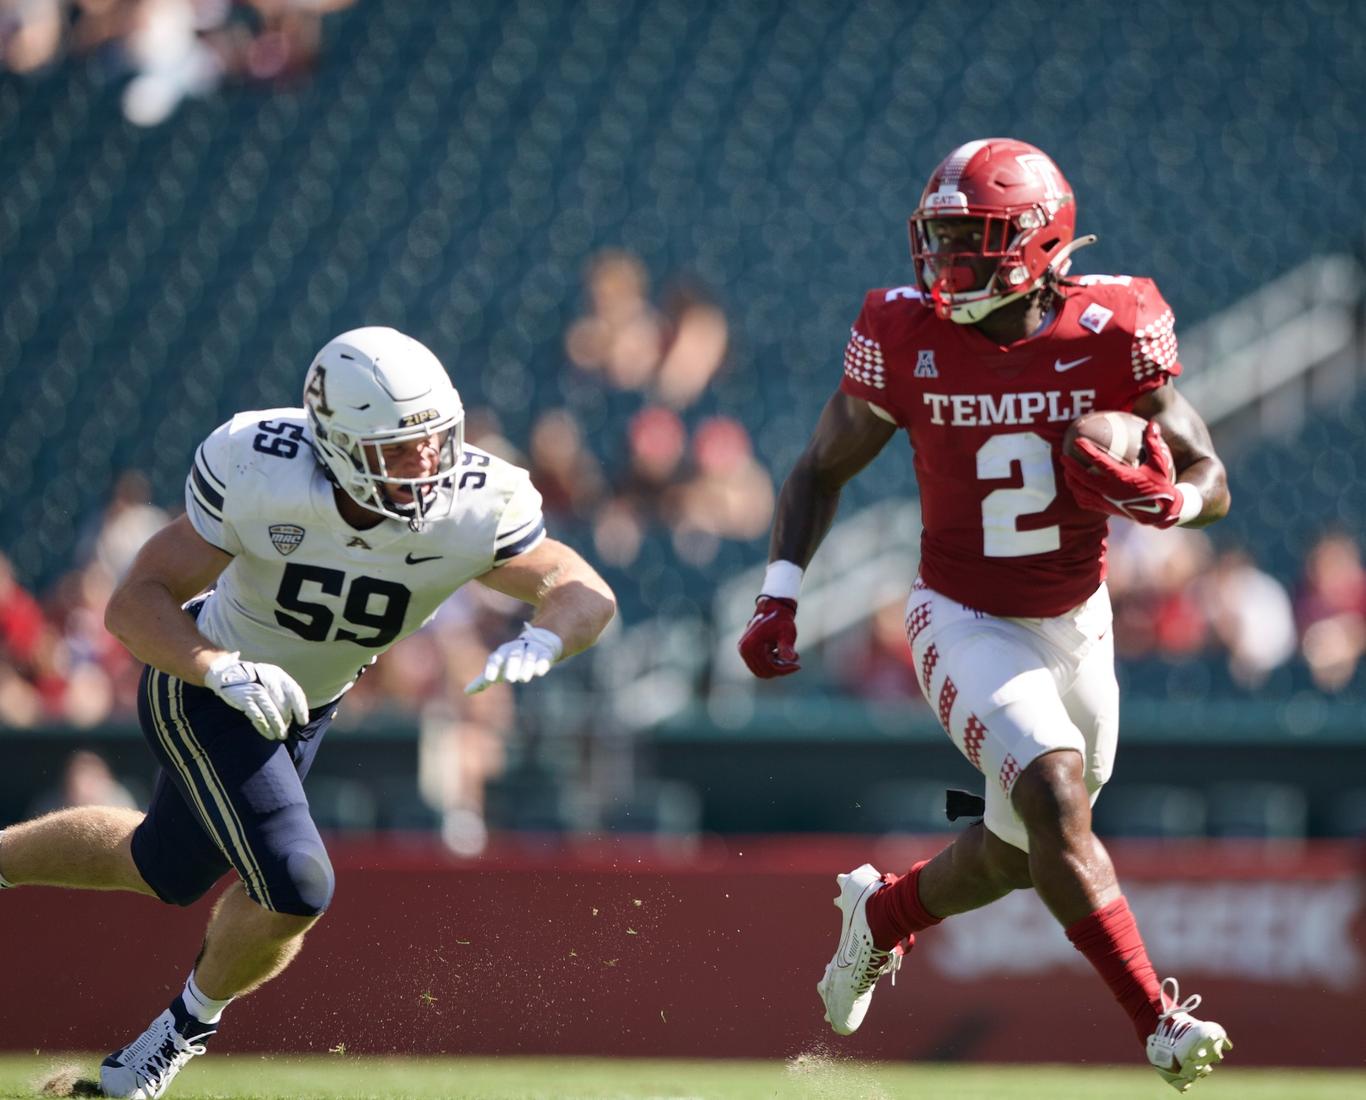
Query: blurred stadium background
x=636 y=232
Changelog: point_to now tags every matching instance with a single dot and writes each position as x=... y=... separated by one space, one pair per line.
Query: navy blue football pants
x=228 y=799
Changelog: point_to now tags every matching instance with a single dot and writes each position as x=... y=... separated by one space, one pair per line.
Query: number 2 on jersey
x=1002 y=508
x=314 y=620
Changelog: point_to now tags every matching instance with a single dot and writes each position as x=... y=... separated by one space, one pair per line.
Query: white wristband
x=1192 y=502
x=782 y=579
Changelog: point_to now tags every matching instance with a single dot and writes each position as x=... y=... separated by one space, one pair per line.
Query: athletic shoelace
x=1172 y=1001
x=173 y=1053
x=879 y=963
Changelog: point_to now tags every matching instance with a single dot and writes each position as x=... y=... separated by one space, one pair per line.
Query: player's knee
x=310 y=884
x=178 y=893
x=1006 y=865
x=1051 y=796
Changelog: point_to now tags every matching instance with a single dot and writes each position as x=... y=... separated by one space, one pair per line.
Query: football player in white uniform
x=313 y=540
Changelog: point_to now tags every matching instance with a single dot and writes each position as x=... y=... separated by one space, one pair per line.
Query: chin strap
x=967 y=313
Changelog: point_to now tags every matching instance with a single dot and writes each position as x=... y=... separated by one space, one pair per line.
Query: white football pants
x=1009 y=690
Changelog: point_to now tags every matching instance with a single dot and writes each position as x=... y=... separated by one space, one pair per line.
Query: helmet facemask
x=357 y=464
x=951 y=276
x=372 y=388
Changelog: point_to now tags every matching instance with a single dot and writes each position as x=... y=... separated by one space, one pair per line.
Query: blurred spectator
x=30 y=33
x=86 y=781
x=462 y=741
x=673 y=354
x=163 y=44
x=20 y=704
x=1330 y=609
x=284 y=44
x=102 y=675
x=1251 y=615
x=28 y=677
x=172 y=49
x=878 y=665
x=38 y=681
x=657 y=442
x=728 y=496
x=1151 y=578
x=127 y=522
x=695 y=347
x=566 y=473
x=622 y=335
x=484 y=430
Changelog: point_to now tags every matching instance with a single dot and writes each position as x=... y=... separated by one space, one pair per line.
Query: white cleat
x=145 y=1068
x=1183 y=1049
x=847 y=987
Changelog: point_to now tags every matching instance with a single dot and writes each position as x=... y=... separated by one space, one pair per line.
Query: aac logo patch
x=286 y=537
x=924 y=364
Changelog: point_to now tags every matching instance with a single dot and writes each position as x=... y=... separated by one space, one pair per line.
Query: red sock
x=895 y=911
x=1110 y=940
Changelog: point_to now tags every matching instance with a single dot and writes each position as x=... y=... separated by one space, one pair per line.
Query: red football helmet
x=1027 y=218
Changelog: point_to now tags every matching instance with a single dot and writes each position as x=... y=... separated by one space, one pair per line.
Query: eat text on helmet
x=998 y=200
x=371 y=388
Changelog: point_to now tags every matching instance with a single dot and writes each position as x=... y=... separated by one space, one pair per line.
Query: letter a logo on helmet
x=368 y=389
x=1027 y=217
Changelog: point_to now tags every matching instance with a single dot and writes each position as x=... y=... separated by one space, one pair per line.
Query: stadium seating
x=450 y=168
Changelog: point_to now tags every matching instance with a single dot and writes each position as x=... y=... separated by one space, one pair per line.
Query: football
x=1118 y=433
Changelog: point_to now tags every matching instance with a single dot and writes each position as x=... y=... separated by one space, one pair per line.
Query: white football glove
x=524 y=658
x=266 y=694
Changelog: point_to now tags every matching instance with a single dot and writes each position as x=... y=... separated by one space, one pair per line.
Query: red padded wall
x=617 y=948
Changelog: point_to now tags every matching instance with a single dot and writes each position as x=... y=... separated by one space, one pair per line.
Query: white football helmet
x=372 y=387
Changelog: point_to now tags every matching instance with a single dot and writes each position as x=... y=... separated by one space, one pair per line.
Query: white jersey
x=306 y=590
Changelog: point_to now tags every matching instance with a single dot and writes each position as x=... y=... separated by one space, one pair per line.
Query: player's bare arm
x=1192 y=450
x=848 y=436
x=570 y=598
x=145 y=613
x=573 y=607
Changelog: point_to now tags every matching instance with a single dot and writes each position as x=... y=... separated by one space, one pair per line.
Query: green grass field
x=814 y=1077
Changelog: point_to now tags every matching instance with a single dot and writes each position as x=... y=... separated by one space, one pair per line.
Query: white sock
x=201 y=1006
x=4 y=882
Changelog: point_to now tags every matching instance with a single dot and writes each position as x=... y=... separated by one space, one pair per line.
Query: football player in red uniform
x=984 y=361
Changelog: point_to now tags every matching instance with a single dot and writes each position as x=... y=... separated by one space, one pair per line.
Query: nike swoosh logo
x=418 y=561
x=844 y=958
x=1150 y=506
x=1061 y=367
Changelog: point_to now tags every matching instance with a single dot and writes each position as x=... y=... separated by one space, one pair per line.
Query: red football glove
x=768 y=644
x=1144 y=493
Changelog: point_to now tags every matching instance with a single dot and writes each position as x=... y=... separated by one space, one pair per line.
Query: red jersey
x=1002 y=533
